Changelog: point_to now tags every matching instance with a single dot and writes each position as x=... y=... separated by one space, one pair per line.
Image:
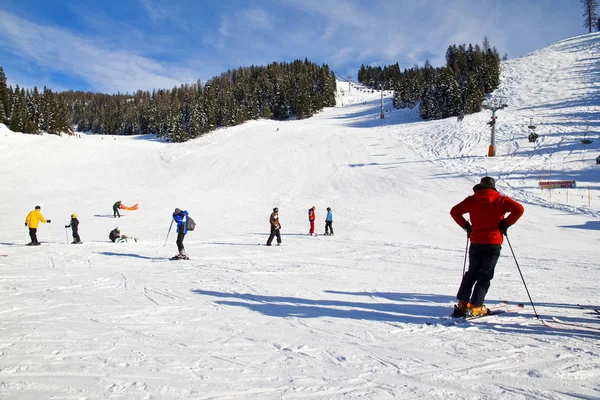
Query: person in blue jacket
x=329 y=222
x=180 y=218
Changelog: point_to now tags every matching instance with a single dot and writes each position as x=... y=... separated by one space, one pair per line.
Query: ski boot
x=460 y=309
x=476 y=311
x=180 y=256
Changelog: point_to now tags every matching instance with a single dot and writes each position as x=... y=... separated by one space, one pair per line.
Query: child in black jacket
x=75 y=227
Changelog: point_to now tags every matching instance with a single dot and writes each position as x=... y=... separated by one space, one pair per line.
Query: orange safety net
x=132 y=208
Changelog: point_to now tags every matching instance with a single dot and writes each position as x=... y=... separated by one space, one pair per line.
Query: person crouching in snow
x=487 y=209
x=116 y=237
x=180 y=218
x=33 y=221
x=74 y=225
x=311 y=220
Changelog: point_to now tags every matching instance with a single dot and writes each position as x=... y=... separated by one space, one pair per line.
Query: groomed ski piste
x=348 y=316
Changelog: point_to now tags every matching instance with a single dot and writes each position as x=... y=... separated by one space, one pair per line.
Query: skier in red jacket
x=487 y=209
x=311 y=220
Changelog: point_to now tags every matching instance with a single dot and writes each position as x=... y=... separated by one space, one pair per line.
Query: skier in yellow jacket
x=33 y=221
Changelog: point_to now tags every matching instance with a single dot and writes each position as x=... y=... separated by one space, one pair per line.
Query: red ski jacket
x=487 y=209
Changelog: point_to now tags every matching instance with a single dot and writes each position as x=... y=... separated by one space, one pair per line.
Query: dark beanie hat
x=488 y=182
x=38 y=207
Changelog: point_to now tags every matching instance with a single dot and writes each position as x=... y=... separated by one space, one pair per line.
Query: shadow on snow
x=112 y=254
x=408 y=308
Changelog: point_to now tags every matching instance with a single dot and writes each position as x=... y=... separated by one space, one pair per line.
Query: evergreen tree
x=4 y=98
x=47 y=113
x=589 y=13
x=16 y=123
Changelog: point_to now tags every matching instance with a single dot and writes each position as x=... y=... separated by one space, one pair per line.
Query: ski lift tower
x=381 y=116
x=493 y=106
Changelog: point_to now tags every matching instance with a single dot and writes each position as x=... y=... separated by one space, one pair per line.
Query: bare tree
x=589 y=12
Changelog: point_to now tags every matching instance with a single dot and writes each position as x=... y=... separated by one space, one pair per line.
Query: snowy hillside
x=354 y=315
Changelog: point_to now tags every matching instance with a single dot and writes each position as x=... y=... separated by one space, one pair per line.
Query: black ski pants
x=76 y=237
x=274 y=232
x=116 y=212
x=180 y=237
x=329 y=227
x=482 y=262
x=33 y=235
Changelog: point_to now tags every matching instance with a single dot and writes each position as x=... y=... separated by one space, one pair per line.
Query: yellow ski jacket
x=34 y=218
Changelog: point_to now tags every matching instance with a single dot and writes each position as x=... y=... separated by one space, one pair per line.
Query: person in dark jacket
x=487 y=209
x=275 y=227
x=116 y=237
x=116 y=208
x=180 y=218
x=74 y=225
x=329 y=222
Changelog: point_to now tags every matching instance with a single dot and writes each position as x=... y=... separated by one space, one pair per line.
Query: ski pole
x=67 y=235
x=523 y=279
x=466 y=250
x=170 y=226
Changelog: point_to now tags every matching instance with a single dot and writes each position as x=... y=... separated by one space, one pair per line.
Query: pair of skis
x=500 y=308
x=556 y=321
x=505 y=307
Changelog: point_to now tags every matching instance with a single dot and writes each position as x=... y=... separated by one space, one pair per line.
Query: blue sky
x=122 y=46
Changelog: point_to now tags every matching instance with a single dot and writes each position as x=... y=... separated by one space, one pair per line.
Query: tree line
x=278 y=91
x=470 y=73
x=32 y=111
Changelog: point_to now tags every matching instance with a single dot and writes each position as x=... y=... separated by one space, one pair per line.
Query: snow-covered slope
x=342 y=316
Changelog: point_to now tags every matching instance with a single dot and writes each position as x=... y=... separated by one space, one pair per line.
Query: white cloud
x=103 y=68
x=254 y=19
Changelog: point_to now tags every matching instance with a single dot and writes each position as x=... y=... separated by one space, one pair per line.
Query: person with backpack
x=329 y=222
x=487 y=209
x=116 y=208
x=74 y=225
x=275 y=227
x=33 y=220
x=311 y=220
x=181 y=218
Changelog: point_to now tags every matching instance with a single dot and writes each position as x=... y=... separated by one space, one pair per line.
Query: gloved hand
x=467 y=227
x=25 y=223
x=67 y=226
x=504 y=227
x=49 y=221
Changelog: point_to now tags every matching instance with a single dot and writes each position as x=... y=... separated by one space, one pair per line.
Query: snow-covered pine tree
x=4 y=98
x=589 y=13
